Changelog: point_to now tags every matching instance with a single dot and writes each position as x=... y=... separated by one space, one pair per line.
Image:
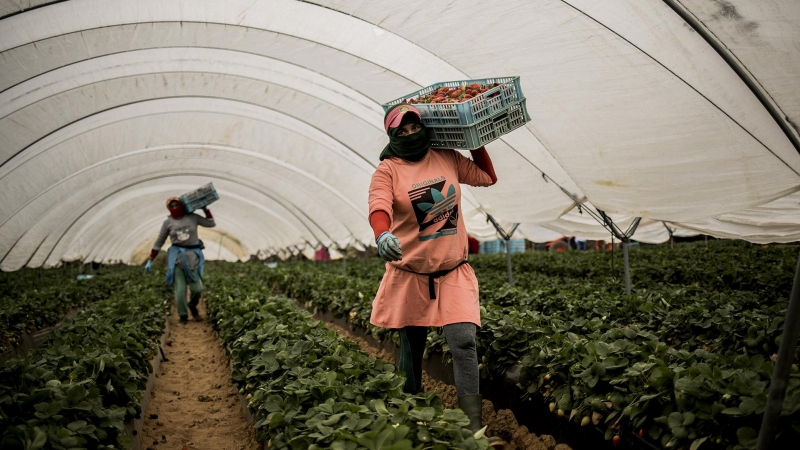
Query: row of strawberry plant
x=309 y=388
x=718 y=266
x=513 y=334
x=81 y=386
x=685 y=318
x=27 y=306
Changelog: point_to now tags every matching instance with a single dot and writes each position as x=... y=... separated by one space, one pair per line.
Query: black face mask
x=412 y=147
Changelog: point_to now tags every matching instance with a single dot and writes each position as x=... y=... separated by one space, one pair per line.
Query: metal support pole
x=508 y=259
x=627 y=268
x=780 y=377
x=506 y=235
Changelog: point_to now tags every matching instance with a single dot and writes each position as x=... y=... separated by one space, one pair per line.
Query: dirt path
x=194 y=404
x=500 y=423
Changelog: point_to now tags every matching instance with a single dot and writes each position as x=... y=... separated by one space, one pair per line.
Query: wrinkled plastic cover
x=108 y=107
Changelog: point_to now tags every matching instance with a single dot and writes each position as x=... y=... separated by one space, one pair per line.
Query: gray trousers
x=461 y=339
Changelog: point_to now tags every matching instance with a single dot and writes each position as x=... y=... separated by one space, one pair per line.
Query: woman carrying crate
x=186 y=253
x=414 y=211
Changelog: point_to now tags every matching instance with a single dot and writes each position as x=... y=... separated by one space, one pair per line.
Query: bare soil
x=194 y=404
x=500 y=423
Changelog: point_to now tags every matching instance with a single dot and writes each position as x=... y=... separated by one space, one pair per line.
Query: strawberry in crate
x=459 y=94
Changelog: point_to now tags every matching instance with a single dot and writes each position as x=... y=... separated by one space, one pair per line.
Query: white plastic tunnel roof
x=683 y=113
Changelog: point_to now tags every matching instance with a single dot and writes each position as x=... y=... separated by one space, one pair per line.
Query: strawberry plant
x=310 y=388
x=78 y=390
x=32 y=303
x=684 y=361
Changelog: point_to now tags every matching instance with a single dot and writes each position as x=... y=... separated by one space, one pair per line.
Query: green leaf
x=69 y=441
x=675 y=420
x=747 y=437
x=380 y=407
x=76 y=393
x=39 y=439
x=748 y=406
x=697 y=443
x=77 y=425
x=732 y=412
x=425 y=414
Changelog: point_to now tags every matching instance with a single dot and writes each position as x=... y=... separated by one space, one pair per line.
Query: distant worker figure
x=186 y=253
x=415 y=213
x=322 y=254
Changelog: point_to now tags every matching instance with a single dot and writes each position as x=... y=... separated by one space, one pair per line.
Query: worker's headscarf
x=176 y=212
x=413 y=147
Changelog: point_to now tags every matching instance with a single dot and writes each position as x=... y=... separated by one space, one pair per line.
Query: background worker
x=186 y=253
x=414 y=211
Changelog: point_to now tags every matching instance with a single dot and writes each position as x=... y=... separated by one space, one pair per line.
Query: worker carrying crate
x=186 y=251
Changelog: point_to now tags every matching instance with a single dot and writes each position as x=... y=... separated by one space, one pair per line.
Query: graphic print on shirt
x=434 y=210
x=182 y=234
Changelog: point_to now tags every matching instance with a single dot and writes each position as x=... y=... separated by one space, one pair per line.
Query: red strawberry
x=616 y=440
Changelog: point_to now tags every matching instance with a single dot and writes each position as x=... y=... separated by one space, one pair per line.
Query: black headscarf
x=413 y=147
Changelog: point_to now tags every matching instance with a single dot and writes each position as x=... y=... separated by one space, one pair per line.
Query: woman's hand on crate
x=207 y=212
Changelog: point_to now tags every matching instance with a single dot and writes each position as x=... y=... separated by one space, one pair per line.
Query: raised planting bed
x=309 y=388
x=31 y=307
x=82 y=386
x=678 y=365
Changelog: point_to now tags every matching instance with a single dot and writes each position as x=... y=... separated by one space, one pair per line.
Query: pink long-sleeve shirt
x=423 y=200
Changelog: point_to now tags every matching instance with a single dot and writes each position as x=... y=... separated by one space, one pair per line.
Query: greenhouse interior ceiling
x=681 y=113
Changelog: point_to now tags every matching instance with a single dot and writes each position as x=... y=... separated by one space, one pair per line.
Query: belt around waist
x=434 y=275
x=199 y=245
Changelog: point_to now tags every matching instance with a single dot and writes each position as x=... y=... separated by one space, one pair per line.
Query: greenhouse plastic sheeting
x=108 y=107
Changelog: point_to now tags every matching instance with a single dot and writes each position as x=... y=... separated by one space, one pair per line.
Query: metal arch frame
x=318 y=42
x=203 y=174
x=113 y=252
x=739 y=68
x=304 y=76
x=92 y=248
x=221 y=148
x=233 y=224
x=118 y=249
x=96 y=249
x=153 y=99
x=173 y=174
x=139 y=230
x=269 y=195
x=49 y=254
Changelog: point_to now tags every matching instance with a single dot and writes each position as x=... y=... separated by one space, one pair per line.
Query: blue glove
x=148 y=266
x=389 y=247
